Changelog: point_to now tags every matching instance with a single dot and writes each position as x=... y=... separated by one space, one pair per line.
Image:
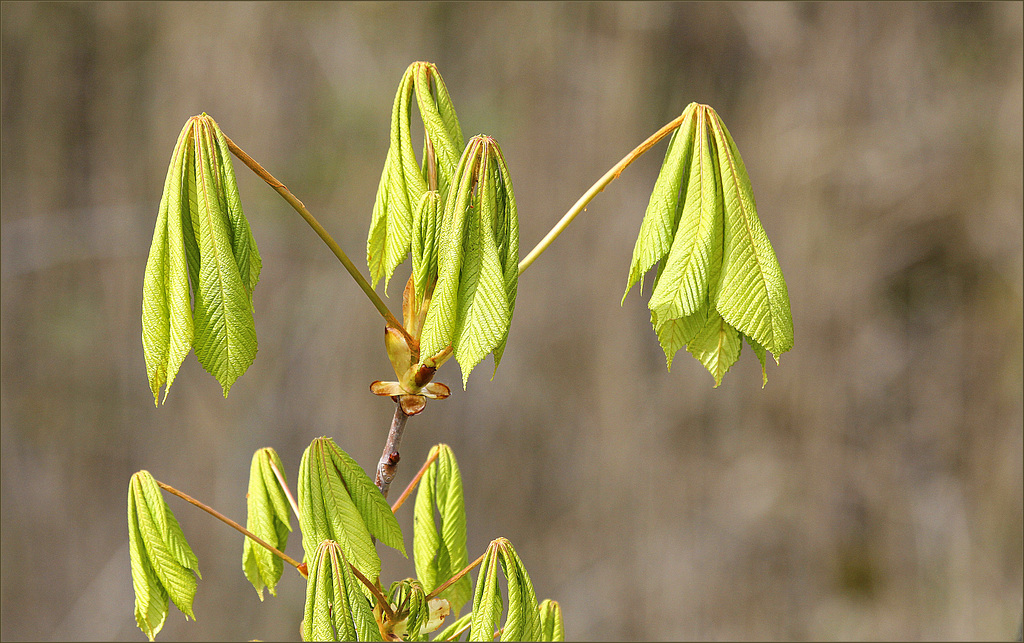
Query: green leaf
x=662 y=217
x=369 y=502
x=522 y=622
x=202 y=243
x=151 y=599
x=761 y=353
x=327 y=511
x=551 y=625
x=166 y=304
x=163 y=565
x=268 y=518
x=674 y=334
x=440 y=123
x=474 y=299
x=718 y=277
x=483 y=308
x=753 y=296
x=439 y=325
x=440 y=553
x=507 y=239
x=424 y=242
x=695 y=259
x=335 y=608
x=402 y=181
x=243 y=245
x=487 y=603
x=225 y=334
x=717 y=346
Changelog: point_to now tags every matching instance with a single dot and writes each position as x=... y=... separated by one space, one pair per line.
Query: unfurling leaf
x=268 y=518
x=403 y=181
x=551 y=625
x=201 y=241
x=522 y=623
x=478 y=261
x=339 y=502
x=718 y=280
x=440 y=553
x=336 y=609
x=163 y=566
x=415 y=614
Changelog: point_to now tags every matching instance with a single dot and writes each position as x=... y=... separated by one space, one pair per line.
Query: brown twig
x=388 y=465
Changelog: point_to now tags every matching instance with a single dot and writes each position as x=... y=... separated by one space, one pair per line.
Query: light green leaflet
x=424 y=243
x=339 y=502
x=268 y=518
x=551 y=625
x=403 y=181
x=522 y=623
x=718 y=280
x=336 y=609
x=203 y=241
x=478 y=261
x=163 y=565
x=440 y=554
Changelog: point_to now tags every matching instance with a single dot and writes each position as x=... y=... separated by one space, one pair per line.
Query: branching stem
x=299 y=207
x=594 y=190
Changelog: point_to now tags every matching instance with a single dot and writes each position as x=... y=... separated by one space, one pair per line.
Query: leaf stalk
x=299 y=207
x=454 y=579
x=415 y=481
x=231 y=523
x=594 y=190
x=284 y=487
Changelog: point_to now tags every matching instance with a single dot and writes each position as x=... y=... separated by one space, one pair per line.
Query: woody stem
x=388 y=465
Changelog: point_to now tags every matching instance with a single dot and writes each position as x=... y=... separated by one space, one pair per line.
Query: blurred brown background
x=873 y=490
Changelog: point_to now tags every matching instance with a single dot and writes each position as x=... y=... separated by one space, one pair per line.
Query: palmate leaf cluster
x=718 y=281
x=203 y=266
x=336 y=609
x=404 y=181
x=341 y=512
x=339 y=502
x=478 y=261
x=440 y=550
x=268 y=518
x=163 y=566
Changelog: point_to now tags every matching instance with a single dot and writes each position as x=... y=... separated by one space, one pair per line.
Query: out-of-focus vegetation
x=873 y=490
